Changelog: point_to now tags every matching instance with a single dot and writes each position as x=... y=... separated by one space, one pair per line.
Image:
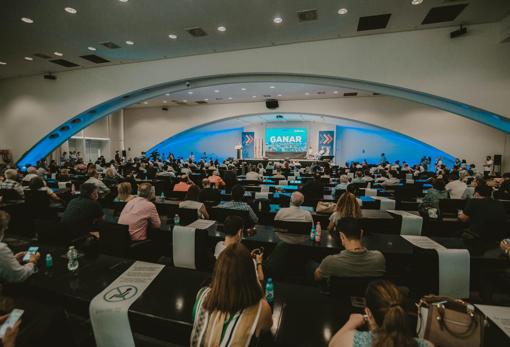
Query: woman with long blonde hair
x=346 y=206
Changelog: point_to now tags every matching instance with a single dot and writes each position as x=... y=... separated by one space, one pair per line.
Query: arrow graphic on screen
x=249 y=139
x=327 y=139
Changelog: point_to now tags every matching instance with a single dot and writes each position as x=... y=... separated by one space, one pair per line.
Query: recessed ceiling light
x=123 y=0
x=27 y=20
x=307 y=93
x=3 y=63
x=91 y=48
x=206 y=99
x=335 y=92
x=277 y=20
x=254 y=96
x=58 y=54
x=416 y=2
x=70 y=10
x=190 y=93
x=230 y=98
x=342 y=11
x=130 y=43
x=243 y=89
x=145 y=102
x=222 y=28
x=279 y=95
x=172 y=36
x=272 y=87
x=167 y=94
x=164 y=101
x=184 y=100
x=29 y=58
x=216 y=91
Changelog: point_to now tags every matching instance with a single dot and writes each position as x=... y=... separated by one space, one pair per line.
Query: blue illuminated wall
x=218 y=144
x=357 y=144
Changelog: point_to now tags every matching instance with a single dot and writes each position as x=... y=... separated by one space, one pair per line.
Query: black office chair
x=251 y=183
x=342 y=287
x=219 y=214
x=118 y=206
x=37 y=204
x=293 y=227
x=187 y=215
x=450 y=207
x=114 y=240
x=176 y=195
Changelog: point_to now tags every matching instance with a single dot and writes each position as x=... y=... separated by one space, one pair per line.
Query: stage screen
x=286 y=139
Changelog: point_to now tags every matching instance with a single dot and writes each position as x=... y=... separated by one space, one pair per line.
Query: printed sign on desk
x=327 y=142
x=248 y=144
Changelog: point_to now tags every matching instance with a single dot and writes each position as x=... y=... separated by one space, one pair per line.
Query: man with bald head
x=294 y=213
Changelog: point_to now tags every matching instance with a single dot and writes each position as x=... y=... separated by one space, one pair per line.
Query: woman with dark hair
x=37 y=184
x=386 y=318
x=434 y=194
x=232 y=311
x=192 y=201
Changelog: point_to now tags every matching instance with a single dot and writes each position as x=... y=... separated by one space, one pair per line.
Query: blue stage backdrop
x=286 y=139
x=327 y=142
x=248 y=144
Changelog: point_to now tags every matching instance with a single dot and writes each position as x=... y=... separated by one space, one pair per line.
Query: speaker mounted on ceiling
x=272 y=104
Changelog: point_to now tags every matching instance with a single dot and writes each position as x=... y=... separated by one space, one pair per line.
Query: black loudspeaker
x=272 y=104
x=497 y=159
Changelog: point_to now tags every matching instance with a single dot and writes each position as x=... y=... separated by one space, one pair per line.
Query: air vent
x=219 y=99
x=376 y=94
x=307 y=15
x=110 y=45
x=196 y=32
x=373 y=22
x=350 y=94
x=64 y=63
x=267 y=96
x=53 y=136
x=443 y=14
x=321 y=92
x=76 y=121
x=126 y=96
x=42 y=56
x=64 y=128
x=94 y=58
x=201 y=102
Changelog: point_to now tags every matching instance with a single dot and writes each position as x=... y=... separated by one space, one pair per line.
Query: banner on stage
x=248 y=144
x=327 y=142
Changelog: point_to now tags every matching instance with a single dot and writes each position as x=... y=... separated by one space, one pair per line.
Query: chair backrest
x=349 y=286
x=118 y=206
x=189 y=247
x=250 y=183
x=293 y=227
x=176 y=195
x=451 y=206
x=219 y=214
x=187 y=215
x=114 y=239
x=9 y=195
x=37 y=203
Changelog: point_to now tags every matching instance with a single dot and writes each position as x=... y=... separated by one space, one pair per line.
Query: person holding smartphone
x=11 y=333
x=12 y=267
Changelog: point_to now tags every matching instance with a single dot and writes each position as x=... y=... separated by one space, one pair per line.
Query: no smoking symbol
x=121 y=293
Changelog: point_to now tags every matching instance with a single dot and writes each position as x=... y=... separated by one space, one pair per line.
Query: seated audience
x=124 y=190
x=233 y=293
x=82 y=213
x=294 y=213
x=103 y=190
x=110 y=179
x=37 y=184
x=278 y=175
x=237 y=203
x=139 y=212
x=191 y=201
x=216 y=180
x=10 y=182
x=209 y=193
x=392 y=179
x=12 y=268
x=342 y=184
x=504 y=187
x=355 y=260
x=313 y=190
x=358 y=177
x=346 y=206
x=63 y=176
x=183 y=184
x=253 y=175
x=456 y=187
x=487 y=219
x=386 y=320
x=434 y=194
x=31 y=173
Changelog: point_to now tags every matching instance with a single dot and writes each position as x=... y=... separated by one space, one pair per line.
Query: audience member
x=434 y=194
x=294 y=213
x=237 y=203
x=346 y=206
x=31 y=173
x=10 y=182
x=183 y=184
x=103 y=190
x=124 y=190
x=216 y=180
x=456 y=187
x=191 y=201
x=209 y=194
x=253 y=175
x=82 y=213
x=37 y=184
x=139 y=212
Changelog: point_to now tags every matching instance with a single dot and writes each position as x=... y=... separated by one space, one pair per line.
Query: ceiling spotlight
x=184 y=100
x=123 y=0
x=58 y=54
x=167 y=94
x=172 y=36
x=279 y=95
x=230 y=98
x=206 y=99
x=342 y=11
x=254 y=96
x=130 y=43
x=277 y=20
x=335 y=92
x=27 y=20
x=216 y=91
x=243 y=89
x=272 y=87
x=145 y=102
x=222 y=28
x=307 y=93
x=164 y=101
x=29 y=58
x=416 y=2
x=190 y=93
x=91 y=48
x=70 y=10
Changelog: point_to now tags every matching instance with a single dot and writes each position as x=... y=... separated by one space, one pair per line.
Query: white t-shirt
x=456 y=189
x=193 y=205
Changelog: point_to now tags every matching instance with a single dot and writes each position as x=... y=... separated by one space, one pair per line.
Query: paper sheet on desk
x=499 y=315
x=370 y=192
x=454 y=266
x=109 y=309
x=411 y=224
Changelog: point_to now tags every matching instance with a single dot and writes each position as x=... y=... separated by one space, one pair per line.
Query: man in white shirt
x=294 y=213
x=456 y=187
x=93 y=178
x=253 y=175
x=31 y=173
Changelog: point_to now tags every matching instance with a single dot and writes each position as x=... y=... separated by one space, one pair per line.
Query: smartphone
x=14 y=316
x=31 y=251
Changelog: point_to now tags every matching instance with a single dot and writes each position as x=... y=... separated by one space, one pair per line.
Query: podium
x=239 y=152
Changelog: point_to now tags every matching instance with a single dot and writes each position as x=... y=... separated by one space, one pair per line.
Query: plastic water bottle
x=318 y=232
x=49 y=261
x=72 y=259
x=177 y=219
x=312 y=233
x=162 y=197
x=269 y=290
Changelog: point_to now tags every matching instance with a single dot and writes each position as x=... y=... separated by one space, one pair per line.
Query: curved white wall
x=458 y=136
x=473 y=69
